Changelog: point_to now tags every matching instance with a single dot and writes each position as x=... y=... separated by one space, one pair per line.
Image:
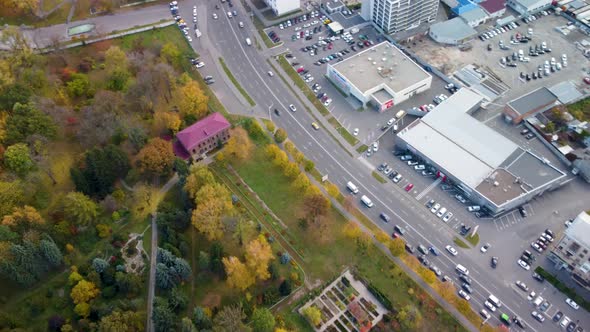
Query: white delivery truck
x=248 y=41
x=352 y=187
x=367 y=201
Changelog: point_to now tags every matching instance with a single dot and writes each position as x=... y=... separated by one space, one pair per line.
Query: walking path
x=154 y=255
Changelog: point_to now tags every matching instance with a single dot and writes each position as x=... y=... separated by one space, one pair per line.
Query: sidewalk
x=442 y=302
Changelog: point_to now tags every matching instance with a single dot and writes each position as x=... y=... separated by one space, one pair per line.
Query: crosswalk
x=429 y=188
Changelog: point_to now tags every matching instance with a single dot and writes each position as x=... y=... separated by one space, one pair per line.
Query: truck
x=248 y=42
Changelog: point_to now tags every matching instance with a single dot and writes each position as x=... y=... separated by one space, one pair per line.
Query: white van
x=353 y=189
x=494 y=300
x=367 y=201
x=462 y=269
x=248 y=41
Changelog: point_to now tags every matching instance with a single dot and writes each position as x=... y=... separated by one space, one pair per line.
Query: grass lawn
x=460 y=243
x=378 y=177
x=327 y=251
x=236 y=83
x=474 y=240
x=260 y=27
x=343 y=132
x=362 y=148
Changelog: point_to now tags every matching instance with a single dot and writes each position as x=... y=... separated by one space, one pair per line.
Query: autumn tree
x=22 y=218
x=263 y=320
x=82 y=309
x=118 y=321
x=84 y=291
x=13 y=93
x=213 y=202
x=171 y=54
x=397 y=246
x=115 y=58
x=192 y=100
x=409 y=318
x=199 y=175
x=167 y=122
x=238 y=274
x=79 y=86
x=313 y=314
x=156 y=158
x=258 y=256
x=351 y=230
x=280 y=135
x=26 y=120
x=11 y=195
x=427 y=275
x=79 y=208
x=301 y=182
x=316 y=206
x=239 y=146
x=230 y=318
x=17 y=158
x=20 y=6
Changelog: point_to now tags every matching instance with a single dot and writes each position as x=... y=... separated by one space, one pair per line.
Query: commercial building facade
x=392 y=16
x=489 y=169
x=524 y=7
x=379 y=77
x=572 y=252
x=281 y=7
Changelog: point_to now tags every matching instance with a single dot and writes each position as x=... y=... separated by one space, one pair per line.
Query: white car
x=270 y=73
x=537 y=247
x=355 y=132
x=328 y=102
x=451 y=250
x=435 y=208
x=241 y=24
x=464 y=295
x=448 y=216
x=215 y=16
x=490 y=306
x=200 y=64
x=485 y=248
x=390 y=121
x=229 y=15
x=292 y=107
x=375 y=146
x=572 y=304
x=522 y=285
x=484 y=314
x=441 y=212
x=523 y=264
x=531 y=296
x=189 y=39
x=397 y=178
x=565 y=322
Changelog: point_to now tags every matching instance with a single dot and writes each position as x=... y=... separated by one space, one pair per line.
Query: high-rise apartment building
x=394 y=16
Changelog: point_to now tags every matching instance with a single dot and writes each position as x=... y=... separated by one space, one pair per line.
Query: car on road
x=436 y=270
x=522 y=285
x=494 y=262
x=292 y=107
x=572 y=303
x=433 y=250
x=270 y=73
x=447 y=216
x=485 y=248
x=200 y=64
x=409 y=187
x=277 y=112
x=215 y=16
x=422 y=259
x=399 y=229
x=315 y=126
x=484 y=314
x=523 y=264
x=435 y=208
x=464 y=295
x=451 y=250
x=565 y=321
x=422 y=249
x=465 y=279
x=467 y=288
x=538 y=316
x=385 y=217
x=490 y=306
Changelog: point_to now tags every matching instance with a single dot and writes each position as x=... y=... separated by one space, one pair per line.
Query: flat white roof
x=459 y=143
x=381 y=65
x=579 y=230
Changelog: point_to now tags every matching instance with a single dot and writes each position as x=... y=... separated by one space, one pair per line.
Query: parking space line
x=429 y=188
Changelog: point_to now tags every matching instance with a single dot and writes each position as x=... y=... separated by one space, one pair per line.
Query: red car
x=409 y=187
x=587 y=80
x=395 y=235
x=300 y=69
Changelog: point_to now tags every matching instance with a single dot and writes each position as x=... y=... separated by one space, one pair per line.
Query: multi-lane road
x=223 y=37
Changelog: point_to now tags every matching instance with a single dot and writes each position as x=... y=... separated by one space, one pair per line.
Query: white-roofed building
x=491 y=170
x=572 y=252
x=281 y=7
x=527 y=7
x=453 y=32
x=380 y=76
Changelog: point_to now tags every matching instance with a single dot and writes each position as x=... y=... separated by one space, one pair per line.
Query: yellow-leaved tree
x=239 y=146
x=258 y=256
x=84 y=291
x=192 y=100
x=213 y=202
x=238 y=274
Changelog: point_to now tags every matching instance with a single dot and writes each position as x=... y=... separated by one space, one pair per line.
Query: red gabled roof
x=207 y=127
x=492 y=6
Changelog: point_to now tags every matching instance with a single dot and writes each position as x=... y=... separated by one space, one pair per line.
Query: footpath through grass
x=236 y=83
x=327 y=251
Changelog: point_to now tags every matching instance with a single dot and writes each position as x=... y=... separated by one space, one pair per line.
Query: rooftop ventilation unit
x=496 y=183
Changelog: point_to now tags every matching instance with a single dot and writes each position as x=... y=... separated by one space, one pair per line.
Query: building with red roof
x=202 y=136
x=495 y=8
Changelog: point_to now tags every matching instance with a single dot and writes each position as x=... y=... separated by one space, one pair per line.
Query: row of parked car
x=498 y=31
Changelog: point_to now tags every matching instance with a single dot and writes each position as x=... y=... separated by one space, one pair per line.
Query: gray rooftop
x=566 y=92
x=533 y=3
x=472 y=152
x=454 y=28
x=332 y=5
x=579 y=230
x=382 y=96
x=361 y=69
x=475 y=14
x=532 y=101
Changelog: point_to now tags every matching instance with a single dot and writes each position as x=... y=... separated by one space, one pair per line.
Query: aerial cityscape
x=294 y=165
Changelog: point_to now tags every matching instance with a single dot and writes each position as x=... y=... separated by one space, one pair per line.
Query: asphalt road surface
x=250 y=68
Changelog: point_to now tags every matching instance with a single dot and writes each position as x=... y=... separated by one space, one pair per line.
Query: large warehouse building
x=491 y=170
x=380 y=76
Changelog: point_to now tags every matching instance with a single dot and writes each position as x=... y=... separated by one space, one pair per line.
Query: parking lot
x=450 y=58
x=347 y=110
